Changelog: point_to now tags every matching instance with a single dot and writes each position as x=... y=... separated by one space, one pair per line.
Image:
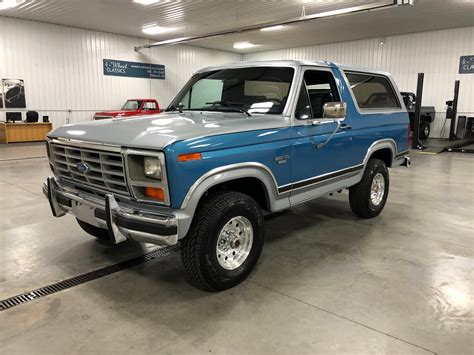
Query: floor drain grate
x=77 y=280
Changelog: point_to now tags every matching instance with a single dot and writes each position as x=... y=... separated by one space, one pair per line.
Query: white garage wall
x=435 y=53
x=62 y=68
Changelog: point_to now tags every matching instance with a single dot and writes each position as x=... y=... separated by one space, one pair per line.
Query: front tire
x=368 y=197
x=224 y=242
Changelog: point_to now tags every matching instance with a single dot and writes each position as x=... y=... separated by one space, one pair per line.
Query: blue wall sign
x=466 y=64
x=133 y=69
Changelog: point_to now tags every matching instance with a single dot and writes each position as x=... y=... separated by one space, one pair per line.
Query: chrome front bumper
x=121 y=221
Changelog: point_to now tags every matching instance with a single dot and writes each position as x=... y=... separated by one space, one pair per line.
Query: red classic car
x=133 y=107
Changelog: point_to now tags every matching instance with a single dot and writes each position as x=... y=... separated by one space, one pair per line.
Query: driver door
x=320 y=146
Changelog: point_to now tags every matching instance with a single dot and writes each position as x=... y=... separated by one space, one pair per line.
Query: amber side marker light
x=189 y=157
x=156 y=193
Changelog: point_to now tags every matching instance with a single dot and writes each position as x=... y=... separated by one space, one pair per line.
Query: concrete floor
x=326 y=282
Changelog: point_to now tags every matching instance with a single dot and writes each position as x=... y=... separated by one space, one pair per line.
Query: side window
x=303 y=107
x=150 y=105
x=319 y=88
x=372 y=91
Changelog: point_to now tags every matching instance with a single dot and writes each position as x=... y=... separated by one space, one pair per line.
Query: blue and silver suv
x=237 y=140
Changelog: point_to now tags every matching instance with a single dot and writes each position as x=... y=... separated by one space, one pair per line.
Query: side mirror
x=334 y=110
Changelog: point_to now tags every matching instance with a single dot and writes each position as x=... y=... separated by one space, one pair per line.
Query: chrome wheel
x=234 y=243
x=377 y=189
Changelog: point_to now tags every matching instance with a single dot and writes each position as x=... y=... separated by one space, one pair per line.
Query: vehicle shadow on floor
x=101 y=253
x=307 y=225
x=305 y=237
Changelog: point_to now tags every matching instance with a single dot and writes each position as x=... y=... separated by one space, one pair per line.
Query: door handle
x=345 y=127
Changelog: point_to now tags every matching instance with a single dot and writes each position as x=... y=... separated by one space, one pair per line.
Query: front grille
x=105 y=173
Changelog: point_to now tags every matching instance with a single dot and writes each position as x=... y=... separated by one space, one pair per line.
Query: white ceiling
x=198 y=17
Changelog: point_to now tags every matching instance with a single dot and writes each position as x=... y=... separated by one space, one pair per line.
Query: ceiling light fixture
x=8 y=4
x=154 y=29
x=405 y=2
x=146 y=2
x=273 y=28
x=244 y=45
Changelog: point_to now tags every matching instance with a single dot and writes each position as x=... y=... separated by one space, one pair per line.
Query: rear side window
x=372 y=91
x=150 y=105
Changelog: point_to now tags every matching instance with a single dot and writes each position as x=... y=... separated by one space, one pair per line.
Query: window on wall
x=319 y=88
x=372 y=91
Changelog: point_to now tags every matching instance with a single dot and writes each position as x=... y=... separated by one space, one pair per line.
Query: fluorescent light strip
x=153 y=29
x=8 y=4
x=272 y=28
x=244 y=45
x=332 y=13
x=146 y=2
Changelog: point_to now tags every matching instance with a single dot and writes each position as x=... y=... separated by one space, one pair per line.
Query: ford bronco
x=237 y=140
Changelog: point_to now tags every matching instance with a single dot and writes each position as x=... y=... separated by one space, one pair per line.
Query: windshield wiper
x=226 y=104
x=231 y=109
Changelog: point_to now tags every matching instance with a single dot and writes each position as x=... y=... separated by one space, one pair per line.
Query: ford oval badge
x=82 y=167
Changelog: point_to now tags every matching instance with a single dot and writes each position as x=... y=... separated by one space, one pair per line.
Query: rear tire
x=99 y=233
x=368 y=197
x=224 y=242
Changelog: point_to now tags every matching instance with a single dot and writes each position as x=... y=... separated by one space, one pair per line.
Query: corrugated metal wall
x=435 y=53
x=62 y=68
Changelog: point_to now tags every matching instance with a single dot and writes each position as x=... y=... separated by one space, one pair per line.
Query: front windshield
x=132 y=105
x=252 y=90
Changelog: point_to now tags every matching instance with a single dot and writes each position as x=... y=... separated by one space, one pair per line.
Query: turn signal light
x=189 y=157
x=156 y=193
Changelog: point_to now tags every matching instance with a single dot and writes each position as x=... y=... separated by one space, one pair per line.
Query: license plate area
x=85 y=213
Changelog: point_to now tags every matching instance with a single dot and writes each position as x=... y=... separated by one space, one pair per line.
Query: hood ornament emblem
x=82 y=167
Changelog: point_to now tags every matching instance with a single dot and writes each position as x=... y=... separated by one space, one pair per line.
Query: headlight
x=152 y=167
x=146 y=176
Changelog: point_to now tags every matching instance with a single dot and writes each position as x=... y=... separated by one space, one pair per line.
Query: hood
x=111 y=113
x=158 y=131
